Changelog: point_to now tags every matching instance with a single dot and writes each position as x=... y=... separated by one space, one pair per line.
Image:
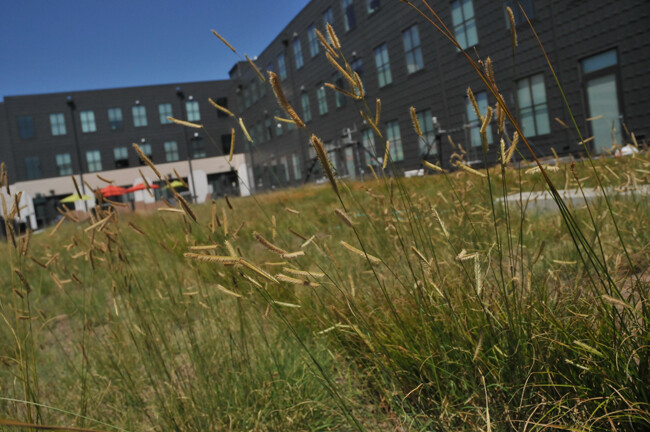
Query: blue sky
x=63 y=45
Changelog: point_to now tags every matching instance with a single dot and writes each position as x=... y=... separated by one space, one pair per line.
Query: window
x=349 y=21
x=192 y=111
x=26 y=126
x=428 y=139
x=297 y=53
x=139 y=116
x=282 y=67
x=94 y=160
x=306 y=108
x=164 y=111
x=520 y=18
x=171 y=151
x=372 y=5
x=225 y=143
x=115 y=118
x=533 y=111
x=369 y=149
x=474 y=124
x=121 y=155
x=328 y=18
x=146 y=149
x=269 y=67
x=198 y=148
x=383 y=65
x=322 y=100
x=393 y=135
x=254 y=94
x=252 y=133
x=224 y=103
x=268 y=128
x=33 y=167
x=247 y=97
x=338 y=96
x=88 y=122
x=297 y=172
x=64 y=164
x=462 y=16
x=259 y=133
x=57 y=123
x=313 y=40
x=412 y=49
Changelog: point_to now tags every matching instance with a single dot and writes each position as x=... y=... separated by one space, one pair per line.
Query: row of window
x=115 y=118
x=464 y=25
x=120 y=158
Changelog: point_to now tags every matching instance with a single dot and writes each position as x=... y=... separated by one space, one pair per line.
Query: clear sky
x=62 y=45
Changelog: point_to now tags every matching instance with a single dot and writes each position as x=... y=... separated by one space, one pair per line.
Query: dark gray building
x=599 y=50
x=45 y=139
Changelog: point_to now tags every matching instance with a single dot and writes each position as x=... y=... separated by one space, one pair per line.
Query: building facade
x=48 y=138
x=599 y=50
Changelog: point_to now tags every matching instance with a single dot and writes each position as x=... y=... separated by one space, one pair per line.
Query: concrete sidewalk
x=540 y=201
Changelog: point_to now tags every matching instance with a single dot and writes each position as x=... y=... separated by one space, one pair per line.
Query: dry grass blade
x=326 y=44
x=267 y=244
x=361 y=253
x=386 y=154
x=416 y=123
x=344 y=217
x=325 y=163
x=227 y=291
x=184 y=123
x=222 y=39
x=342 y=71
x=232 y=144
x=372 y=123
x=221 y=108
x=257 y=270
x=146 y=160
x=243 y=128
x=470 y=170
x=343 y=92
x=17 y=424
x=433 y=166
x=332 y=34
x=282 y=99
x=212 y=258
x=255 y=68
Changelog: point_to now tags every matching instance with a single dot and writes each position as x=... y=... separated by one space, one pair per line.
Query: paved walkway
x=543 y=200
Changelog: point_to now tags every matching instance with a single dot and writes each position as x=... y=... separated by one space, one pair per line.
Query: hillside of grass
x=265 y=313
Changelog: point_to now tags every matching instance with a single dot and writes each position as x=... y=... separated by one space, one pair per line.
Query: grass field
x=442 y=326
x=393 y=305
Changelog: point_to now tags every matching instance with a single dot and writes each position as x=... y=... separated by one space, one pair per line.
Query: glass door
x=603 y=100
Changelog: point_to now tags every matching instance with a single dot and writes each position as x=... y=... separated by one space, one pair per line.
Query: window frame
x=87 y=121
x=536 y=108
x=167 y=146
x=314 y=48
x=192 y=107
x=64 y=168
x=123 y=156
x=415 y=51
x=394 y=136
x=282 y=67
x=113 y=122
x=349 y=18
x=297 y=53
x=463 y=24
x=57 y=127
x=26 y=128
x=383 y=69
x=321 y=98
x=139 y=114
x=94 y=165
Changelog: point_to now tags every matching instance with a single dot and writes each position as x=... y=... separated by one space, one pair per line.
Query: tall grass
x=419 y=304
